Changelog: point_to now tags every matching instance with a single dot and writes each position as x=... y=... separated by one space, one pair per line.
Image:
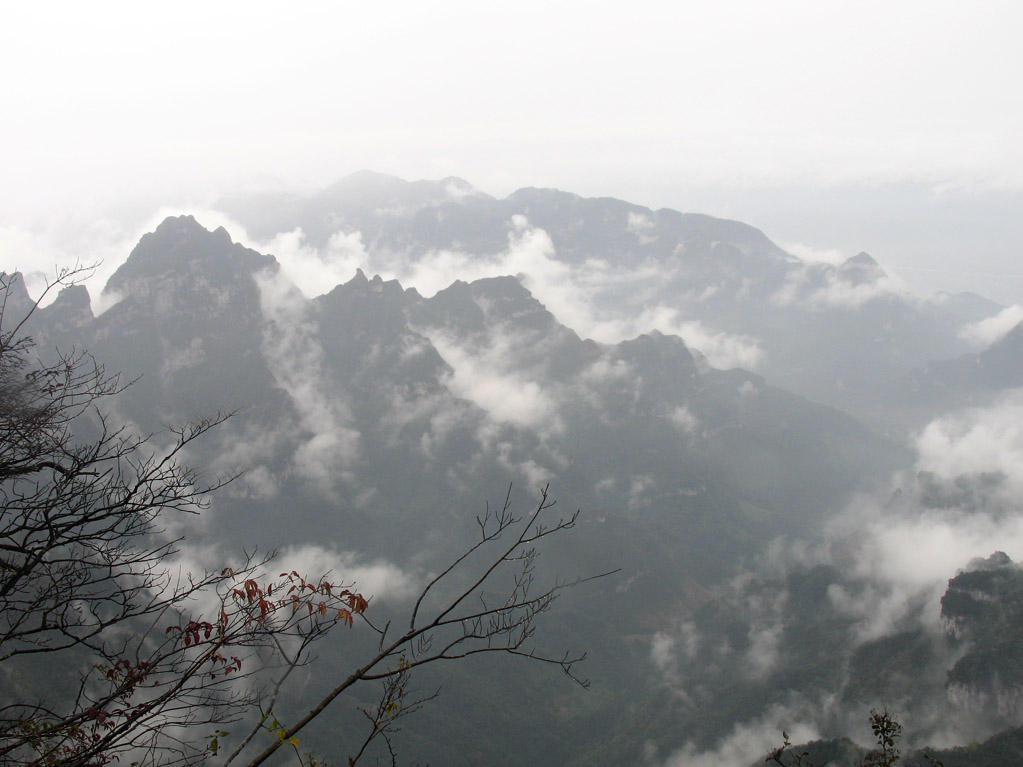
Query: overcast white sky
x=892 y=127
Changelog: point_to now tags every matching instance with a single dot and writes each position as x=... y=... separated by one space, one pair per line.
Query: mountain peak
x=180 y=245
x=17 y=303
x=185 y=227
x=71 y=309
x=505 y=298
x=861 y=259
x=996 y=561
x=861 y=268
x=360 y=285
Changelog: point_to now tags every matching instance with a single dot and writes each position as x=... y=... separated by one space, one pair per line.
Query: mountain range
x=736 y=424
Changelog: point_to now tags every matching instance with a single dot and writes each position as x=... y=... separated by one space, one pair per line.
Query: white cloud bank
x=978 y=441
x=756 y=738
x=962 y=500
x=987 y=331
x=809 y=253
x=376 y=579
x=571 y=293
x=488 y=378
x=821 y=285
x=329 y=445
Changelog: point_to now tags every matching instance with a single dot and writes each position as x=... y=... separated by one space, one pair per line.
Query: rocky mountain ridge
x=381 y=418
x=826 y=331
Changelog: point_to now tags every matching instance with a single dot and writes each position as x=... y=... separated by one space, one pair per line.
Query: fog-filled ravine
x=807 y=478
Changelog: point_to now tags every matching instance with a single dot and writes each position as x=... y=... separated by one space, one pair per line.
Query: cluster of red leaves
x=124 y=672
x=192 y=630
x=235 y=664
x=301 y=595
x=317 y=600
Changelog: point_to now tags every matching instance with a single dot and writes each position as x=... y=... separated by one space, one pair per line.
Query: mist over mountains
x=788 y=460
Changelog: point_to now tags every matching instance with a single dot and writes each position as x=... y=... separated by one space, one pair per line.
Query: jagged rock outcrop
x=983 y=610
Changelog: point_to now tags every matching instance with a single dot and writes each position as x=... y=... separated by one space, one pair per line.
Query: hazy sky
x=891 y=127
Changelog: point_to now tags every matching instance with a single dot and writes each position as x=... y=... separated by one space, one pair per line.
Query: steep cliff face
x=991 y=695
x=982 y=610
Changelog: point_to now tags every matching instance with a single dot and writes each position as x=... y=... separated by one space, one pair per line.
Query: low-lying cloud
x=579 y=295
x=376 y=579
x=815 y=255
x=892 y=556
x=977 y=442
x=985 y=332
x=752 y=739
x=328 y=443
x=40 y=252
x=820 y=286
x=487 y=377
x=963 y=501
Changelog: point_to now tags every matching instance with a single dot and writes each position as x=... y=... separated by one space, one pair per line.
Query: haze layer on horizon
x=833 y=127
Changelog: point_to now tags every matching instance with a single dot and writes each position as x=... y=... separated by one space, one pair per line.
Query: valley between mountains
x=807 y=477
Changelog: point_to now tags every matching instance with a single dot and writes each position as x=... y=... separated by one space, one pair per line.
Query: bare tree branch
x=452 y=634
x=84 y=573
